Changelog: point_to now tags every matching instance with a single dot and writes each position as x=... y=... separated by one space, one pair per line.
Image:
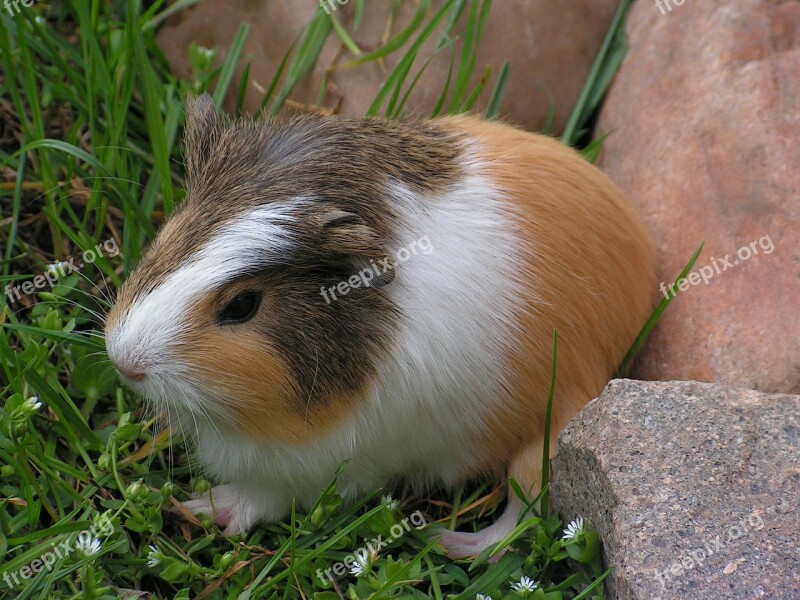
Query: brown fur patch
x=588 y=272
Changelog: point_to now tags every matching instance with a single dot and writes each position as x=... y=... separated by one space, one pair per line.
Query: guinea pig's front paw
x=230 y=507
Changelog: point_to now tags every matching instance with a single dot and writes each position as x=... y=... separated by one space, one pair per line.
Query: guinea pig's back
x=587 y=271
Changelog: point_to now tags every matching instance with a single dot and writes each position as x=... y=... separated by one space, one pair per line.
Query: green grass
x=91 y=156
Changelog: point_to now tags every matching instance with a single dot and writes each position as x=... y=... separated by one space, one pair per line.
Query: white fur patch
x=449 y=369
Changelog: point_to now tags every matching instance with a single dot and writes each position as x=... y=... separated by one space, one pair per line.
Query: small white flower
x=153 y=557
x=32 y=404
x=482 y=597
x=87 y=544
x=525 y=584
x=574 y=529
x=390 y=502
x=362 y=565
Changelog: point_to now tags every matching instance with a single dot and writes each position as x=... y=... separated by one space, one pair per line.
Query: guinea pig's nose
x=128 y=372
x=132 y=375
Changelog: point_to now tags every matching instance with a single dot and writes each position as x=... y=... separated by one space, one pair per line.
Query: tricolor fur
x=437 y=372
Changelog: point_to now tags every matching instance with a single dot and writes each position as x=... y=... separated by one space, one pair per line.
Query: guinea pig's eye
x=241 y=309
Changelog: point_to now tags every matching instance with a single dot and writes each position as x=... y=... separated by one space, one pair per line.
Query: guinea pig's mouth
x=134 y=376
x=129 y=376
x=138 y=382
x=173 y=393
x=168 y=386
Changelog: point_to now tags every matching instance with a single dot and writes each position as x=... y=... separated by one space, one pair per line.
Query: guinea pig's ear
x=345 y=233
x=204 y=127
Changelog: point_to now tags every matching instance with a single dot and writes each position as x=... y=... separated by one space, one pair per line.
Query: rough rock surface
x=705 y=115
x=693 y=487
x=550 y=45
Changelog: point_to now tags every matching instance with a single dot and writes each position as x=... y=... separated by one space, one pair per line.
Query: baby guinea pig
x=379 y=291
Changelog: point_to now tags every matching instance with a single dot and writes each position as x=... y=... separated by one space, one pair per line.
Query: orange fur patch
x=244 y=369
x=588 y=272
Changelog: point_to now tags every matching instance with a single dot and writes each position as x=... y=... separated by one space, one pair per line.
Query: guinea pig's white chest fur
x=448 y=368
x=383 y=293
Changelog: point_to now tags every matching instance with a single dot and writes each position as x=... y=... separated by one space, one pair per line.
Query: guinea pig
x=380 y=292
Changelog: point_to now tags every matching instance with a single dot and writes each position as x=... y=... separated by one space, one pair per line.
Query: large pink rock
x=705 y=116
x=551 y=46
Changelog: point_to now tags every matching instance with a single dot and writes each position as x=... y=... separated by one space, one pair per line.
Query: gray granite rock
x=693 y=487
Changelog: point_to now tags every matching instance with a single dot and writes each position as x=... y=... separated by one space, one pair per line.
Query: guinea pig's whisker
x=93 y=334
x=149 y=412
x=211 y=421
x=139 y=433
x=311 y=390
x=107 y=367
x=192 y=440
x=100 y=318
x=197 y=405
x=159 y=411
x=183 y=432
x=170 y=457
x=97 y=319
x=246 y=382
x=103 y=297
x=197 y=433
x=102 y=303
x=56 y=303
